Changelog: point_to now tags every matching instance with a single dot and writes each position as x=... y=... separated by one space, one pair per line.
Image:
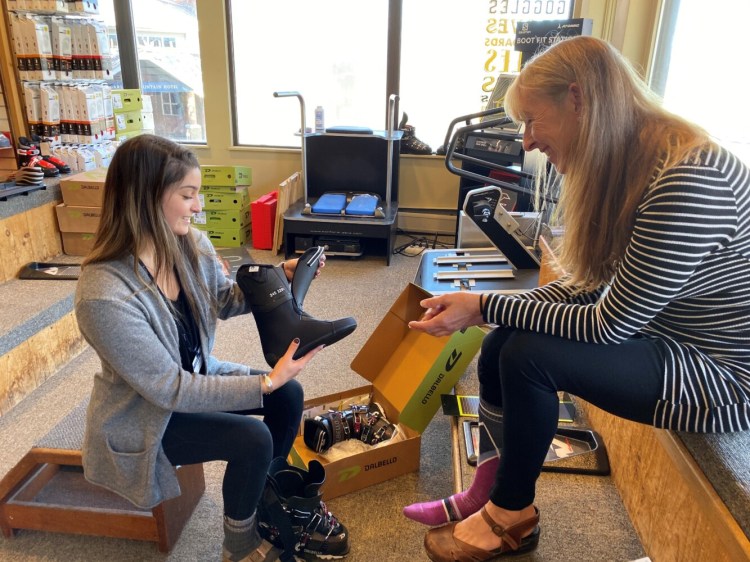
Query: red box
x=263 y=218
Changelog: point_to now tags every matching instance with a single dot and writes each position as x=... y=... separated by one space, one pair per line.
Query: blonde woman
x=651 y=321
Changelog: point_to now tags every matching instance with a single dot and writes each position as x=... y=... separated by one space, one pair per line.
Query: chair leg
x=172 y=515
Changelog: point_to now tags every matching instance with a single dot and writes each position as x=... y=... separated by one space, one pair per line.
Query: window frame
x=393 y=69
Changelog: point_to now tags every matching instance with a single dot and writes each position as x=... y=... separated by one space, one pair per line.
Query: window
x=696 y=70
x=334 y=54
x=170 y=103
x=169 y=62
x=452 y=53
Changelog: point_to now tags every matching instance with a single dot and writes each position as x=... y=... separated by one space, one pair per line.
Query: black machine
x=350 y=181
x=492 y=159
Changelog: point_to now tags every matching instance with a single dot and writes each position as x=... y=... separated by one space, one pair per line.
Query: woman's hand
x=449 y=313
x=289 y=266
x=287 y=367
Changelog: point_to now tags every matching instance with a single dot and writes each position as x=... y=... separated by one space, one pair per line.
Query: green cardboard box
x=125 y=100
x=218 y=200
x=128 y=122
x=222 y=219
x=227 y=237
x=226 y=176
x=409 y=370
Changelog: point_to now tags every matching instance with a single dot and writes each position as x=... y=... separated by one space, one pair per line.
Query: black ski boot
x=307 y=266
x=293 y=517
x=279 y=315
x=410 y=144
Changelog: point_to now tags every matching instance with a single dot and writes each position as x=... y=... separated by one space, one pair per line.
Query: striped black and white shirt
x=685 y=279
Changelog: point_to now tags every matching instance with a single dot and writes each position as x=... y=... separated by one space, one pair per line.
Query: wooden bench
x=46 y=491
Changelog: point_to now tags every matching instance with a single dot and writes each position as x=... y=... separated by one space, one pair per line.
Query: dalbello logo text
x=452 y=360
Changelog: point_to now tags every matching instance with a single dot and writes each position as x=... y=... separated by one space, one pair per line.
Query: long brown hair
x=142 y=170
x=625 y=139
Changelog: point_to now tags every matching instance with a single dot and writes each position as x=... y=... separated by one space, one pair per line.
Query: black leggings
x=522 y=372
x=246 y=443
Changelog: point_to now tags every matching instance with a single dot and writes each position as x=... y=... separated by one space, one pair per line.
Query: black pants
x=246 y=443
x=522 y=372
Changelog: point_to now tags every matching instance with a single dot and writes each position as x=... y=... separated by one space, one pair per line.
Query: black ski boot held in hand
x=277 y=308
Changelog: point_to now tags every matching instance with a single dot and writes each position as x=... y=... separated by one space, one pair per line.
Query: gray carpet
x=583 y=517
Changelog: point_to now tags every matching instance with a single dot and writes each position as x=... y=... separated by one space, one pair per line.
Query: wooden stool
x=46 y=491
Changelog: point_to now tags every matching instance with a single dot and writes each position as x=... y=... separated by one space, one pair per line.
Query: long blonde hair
x=142 y=170
x=624 y=140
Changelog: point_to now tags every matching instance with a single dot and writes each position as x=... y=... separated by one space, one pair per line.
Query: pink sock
x=458 y=506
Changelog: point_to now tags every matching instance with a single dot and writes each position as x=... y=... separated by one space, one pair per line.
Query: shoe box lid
x=409 y=370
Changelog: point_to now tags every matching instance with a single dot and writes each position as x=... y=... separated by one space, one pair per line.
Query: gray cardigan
x=142 y=382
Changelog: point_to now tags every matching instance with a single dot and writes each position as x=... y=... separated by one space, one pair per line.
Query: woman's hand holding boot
x=290 y=266
x=287 y=367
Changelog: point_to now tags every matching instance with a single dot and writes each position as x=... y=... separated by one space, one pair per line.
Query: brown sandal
x=442 y=546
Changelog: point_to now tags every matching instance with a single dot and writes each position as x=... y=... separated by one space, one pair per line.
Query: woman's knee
x=291 y=395
x=488 y=365
x=526 y=356
x=253 y=436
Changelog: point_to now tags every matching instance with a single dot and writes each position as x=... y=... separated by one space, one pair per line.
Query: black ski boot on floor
x=292 y=516
x=278 y=310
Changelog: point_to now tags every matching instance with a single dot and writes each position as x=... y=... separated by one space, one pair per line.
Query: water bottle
x=319 y=120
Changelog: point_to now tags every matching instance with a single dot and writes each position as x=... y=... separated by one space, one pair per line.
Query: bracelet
x=481 y=304
x=269 y=384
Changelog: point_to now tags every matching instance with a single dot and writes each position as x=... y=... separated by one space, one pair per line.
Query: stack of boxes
x=127 y=105
x=79 y=214
x=147 y=115
x=226 y=205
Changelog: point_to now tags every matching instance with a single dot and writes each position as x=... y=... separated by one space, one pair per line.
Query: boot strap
x=512 y=535
x=279 y=518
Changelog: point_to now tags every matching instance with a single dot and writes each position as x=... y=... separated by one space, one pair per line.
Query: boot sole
x=330 y=339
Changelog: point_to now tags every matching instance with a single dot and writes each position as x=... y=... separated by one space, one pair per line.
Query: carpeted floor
x=582 y=516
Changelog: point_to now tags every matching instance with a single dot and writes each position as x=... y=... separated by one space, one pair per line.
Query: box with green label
x=408 y=371
x=125 y=100
x=233 y=218
x=218 y=200
x=226 y=176
x=227 y=237
x=128 y=122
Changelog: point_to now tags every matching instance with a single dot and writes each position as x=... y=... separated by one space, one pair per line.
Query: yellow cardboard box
x=124 y=100
x=217 y=200
x=128 y=122
x=227 y=237
x=85 y=189
x=409 y=370
x=226 y=176
x=222 y=218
